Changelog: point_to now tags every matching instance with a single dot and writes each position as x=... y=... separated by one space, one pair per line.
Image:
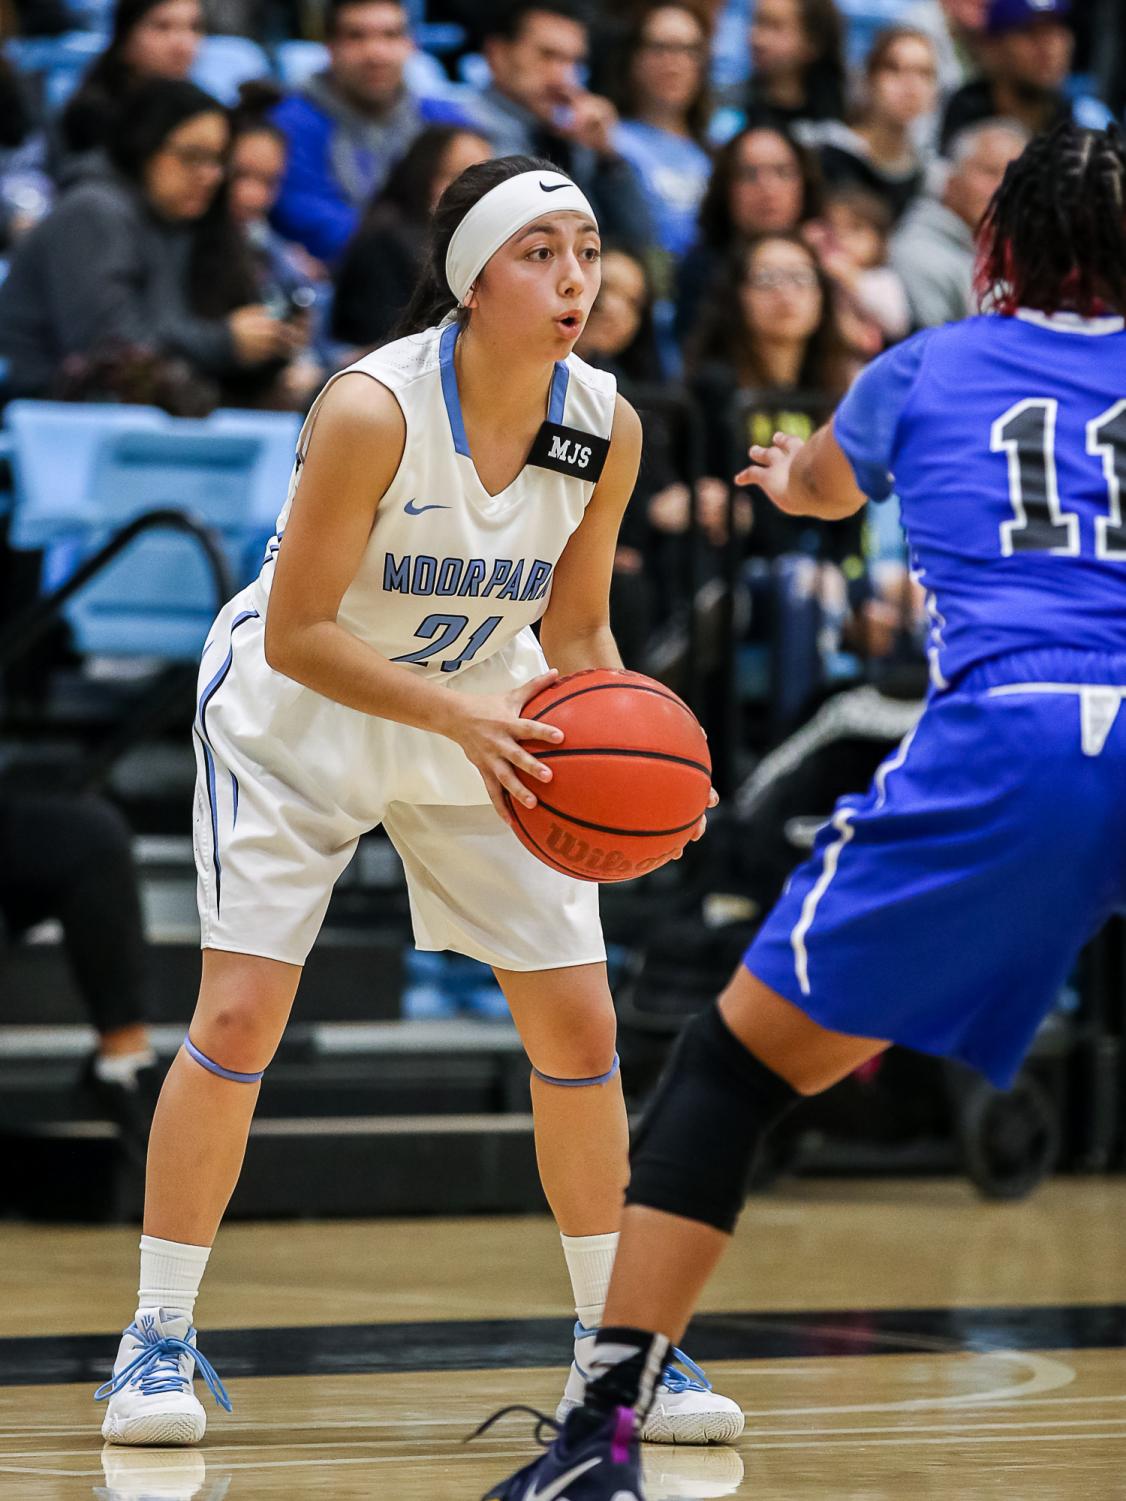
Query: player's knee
x=583 y=1051
x=694 y=1150
x=240 y=1033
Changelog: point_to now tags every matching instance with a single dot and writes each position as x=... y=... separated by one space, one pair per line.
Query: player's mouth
x=570 y=324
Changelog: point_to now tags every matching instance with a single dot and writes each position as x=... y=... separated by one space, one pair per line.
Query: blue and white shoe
x=580 y=1465
x=685 y=1408
x=150 y=1394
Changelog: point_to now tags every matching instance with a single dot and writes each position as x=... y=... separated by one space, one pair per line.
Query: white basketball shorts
x=288 y=781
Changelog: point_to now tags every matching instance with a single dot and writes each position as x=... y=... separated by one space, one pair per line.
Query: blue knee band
x=217 y=1068
x=579 y=1083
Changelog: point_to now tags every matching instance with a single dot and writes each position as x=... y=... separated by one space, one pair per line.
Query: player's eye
x=592 y=253
x=540 y=253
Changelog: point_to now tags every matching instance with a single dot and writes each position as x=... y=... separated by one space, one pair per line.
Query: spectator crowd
x=783 y=193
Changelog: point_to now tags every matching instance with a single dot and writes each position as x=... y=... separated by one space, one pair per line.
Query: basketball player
x=375 y=673
x=945 y=909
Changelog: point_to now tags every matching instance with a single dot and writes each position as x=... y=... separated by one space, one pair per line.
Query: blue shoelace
x=674 y=1380
x=156 y=1369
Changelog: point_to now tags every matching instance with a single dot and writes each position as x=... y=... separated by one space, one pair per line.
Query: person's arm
x=354 y=453
x=95 y=279
x=92 y=272
x=575 y=630
x=310 y=207
x=805 y=479
x=851 y=458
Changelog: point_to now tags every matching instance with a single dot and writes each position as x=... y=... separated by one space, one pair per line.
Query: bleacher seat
x=225 y=62
x=297 y=61
x=91 y=15
x=58 y=62
x=474 y=71
x=82 y=472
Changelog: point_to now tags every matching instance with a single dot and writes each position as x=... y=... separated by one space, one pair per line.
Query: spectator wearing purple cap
x=1028 y=51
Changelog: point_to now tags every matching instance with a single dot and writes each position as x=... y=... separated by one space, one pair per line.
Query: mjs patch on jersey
x=568 y=450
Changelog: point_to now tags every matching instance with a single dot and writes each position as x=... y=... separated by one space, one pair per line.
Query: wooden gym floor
x=889 y=1341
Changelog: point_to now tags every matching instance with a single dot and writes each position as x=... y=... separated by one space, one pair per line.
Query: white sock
x=170 y=1274
x=122 y=1068
x=590 y=1260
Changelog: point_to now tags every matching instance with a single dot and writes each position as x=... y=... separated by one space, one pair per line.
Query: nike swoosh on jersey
x=413 y=510
x=554 y=1491
x=554 y=187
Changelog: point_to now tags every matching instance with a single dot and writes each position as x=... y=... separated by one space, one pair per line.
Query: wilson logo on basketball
x=608 y=864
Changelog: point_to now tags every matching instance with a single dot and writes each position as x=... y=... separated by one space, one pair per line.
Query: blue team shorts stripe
x=944 y=909
x=842 y=823
x=208 y=751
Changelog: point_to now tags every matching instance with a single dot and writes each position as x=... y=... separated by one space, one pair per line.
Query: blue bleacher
x=80 y=473
x=57 y=61
x=225 y=62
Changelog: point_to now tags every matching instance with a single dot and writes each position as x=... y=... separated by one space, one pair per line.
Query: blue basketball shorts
x=944 y=909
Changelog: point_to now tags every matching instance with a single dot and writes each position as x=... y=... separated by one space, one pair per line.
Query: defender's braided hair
x=1054 y=236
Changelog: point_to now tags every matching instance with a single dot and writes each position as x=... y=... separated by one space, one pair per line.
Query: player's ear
x=471 y=297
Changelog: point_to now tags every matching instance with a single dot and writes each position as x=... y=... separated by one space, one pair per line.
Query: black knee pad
x=693 y=1153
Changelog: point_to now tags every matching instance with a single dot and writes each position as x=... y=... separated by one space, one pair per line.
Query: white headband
x=499 y=214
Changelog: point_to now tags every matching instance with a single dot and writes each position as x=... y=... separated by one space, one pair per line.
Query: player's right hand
x=769 y=468
x=489 y=728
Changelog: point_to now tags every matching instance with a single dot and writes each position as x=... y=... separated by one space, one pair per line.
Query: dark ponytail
x=432 y=298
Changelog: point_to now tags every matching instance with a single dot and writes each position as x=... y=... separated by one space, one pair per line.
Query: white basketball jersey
x=452 y=574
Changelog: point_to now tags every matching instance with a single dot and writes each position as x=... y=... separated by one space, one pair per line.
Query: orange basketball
x=630 y=779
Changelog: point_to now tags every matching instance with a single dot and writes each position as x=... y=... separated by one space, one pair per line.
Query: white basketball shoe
x=685 y=1409
x=150 y=1393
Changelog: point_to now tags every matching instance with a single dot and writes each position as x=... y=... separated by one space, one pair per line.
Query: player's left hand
x=770 y=467
x=701 y=827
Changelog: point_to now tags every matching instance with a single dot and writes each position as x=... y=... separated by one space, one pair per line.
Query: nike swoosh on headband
x=555 y=187
x=554 y=1491
x=413 y=510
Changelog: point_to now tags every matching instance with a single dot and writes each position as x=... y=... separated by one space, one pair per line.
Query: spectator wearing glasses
x=146 y=258
x=150 y=39
x=877 y=153
x=536 y=105
x=1027 y=58
x=763 y=182
x=349 y=125
x=663 y=99
x=769 y=329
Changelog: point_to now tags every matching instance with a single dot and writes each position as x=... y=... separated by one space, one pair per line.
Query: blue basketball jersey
x=1005 y=440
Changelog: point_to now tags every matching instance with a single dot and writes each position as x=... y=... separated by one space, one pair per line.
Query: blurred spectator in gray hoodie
x=933 y=248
